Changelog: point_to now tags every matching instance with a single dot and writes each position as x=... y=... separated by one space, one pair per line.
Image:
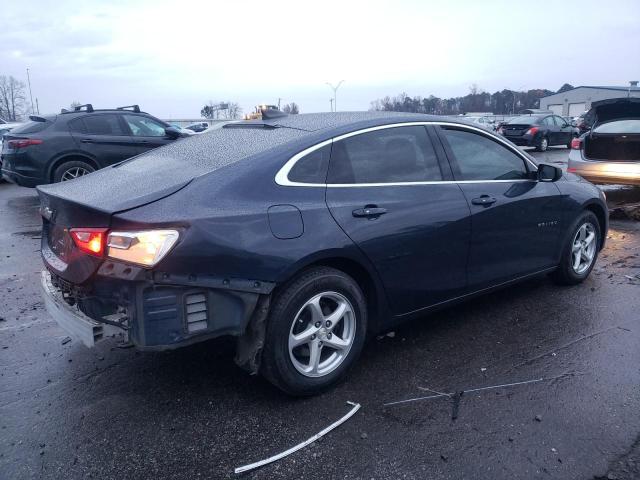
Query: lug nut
x=313 y=337
x=329 y=335
x=328 y=323
x=318 y=324
x=320 y=344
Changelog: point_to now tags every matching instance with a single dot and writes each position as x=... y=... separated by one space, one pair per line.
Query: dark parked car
x=539 y=131
x=197 y=127
x=610 y=152
x=55 y=148
x=302 y=234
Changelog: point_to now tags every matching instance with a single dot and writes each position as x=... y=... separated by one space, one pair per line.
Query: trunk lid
x=612 y=109
x=604 y=142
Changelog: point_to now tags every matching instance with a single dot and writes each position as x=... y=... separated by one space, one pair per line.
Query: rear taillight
x=24 y=142
x=576 y=144
x=571 y=170
x=532 y=131
x=90 y=240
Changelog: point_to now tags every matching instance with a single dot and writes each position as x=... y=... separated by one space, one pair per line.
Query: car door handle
x=369 y=212
x=86 y=140
x=485 y=200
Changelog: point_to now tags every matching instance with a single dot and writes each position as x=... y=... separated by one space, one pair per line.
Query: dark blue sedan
x=300 y=235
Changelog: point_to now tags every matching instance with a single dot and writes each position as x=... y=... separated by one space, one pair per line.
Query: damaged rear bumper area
x=159 y=313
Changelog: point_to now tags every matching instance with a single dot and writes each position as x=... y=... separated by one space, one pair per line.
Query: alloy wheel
x=74 y=172
x=322 y=334
x=583 y=248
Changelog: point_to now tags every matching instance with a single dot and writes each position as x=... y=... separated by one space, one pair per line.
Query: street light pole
x=30 y=94
x=331 y=104
x=335 y=90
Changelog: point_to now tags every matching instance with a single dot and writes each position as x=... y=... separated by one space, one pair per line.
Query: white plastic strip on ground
x=246 y=468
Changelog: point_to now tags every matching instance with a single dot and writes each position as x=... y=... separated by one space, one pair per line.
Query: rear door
x=148 y=133
x=103 y=137
x=389 y=193
x=515 y=220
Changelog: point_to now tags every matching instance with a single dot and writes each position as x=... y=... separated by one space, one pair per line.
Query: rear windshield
x=34 y=127
x=619 y=126
x=523 y=120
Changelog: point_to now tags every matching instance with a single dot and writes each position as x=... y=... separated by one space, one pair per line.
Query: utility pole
x=331 y=104
x=30 y=94
x=279 y=99
x=335 y=90
x=37 y=106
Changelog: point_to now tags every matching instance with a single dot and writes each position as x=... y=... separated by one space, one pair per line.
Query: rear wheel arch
x=70 y=158
x=372 y=290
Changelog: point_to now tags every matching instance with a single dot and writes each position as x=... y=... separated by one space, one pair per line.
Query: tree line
x=502 y=102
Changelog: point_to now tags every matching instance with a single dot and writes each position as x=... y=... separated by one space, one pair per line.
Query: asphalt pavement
x=572 y=353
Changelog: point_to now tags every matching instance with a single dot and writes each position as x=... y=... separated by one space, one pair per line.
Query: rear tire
x=579 y=253
x=544 y=144
x=315 y=331
x=71 y=170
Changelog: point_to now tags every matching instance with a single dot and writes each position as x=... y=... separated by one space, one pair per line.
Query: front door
x=565 y=130
x=515 y=219
x=146 y=132
x=386 y=190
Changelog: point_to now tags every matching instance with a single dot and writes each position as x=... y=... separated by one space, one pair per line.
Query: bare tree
x=291 y=108
x=234 y=111
x=226 y=110
x=12 y=98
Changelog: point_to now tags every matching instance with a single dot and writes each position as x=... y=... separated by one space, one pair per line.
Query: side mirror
x=172 y=132
x=548 y=173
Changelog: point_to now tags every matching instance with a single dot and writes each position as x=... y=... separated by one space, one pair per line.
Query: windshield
x=620 y=126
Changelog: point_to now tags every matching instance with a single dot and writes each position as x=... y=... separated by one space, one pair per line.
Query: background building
x=577 y=100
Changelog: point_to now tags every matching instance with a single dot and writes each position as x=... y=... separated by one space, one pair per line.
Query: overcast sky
x=171 y=57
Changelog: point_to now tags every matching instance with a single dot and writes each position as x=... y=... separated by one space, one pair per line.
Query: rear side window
x=548 y=121
x=390 y=155
x=481 y=158
x=312 y=168
x=105 y=124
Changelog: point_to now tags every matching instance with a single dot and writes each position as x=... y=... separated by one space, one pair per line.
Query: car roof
x=316 y=122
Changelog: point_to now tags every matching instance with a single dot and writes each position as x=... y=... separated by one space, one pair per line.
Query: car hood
x=612 y=109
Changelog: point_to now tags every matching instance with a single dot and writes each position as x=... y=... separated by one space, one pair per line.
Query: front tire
x=315 y=331
x=580 y=251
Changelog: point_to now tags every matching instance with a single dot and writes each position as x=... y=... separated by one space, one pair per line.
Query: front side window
x=144 y=126
x=312 y=168
x=390 y=155
x=548 y=121
x=104 y=124
x=481 y=158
